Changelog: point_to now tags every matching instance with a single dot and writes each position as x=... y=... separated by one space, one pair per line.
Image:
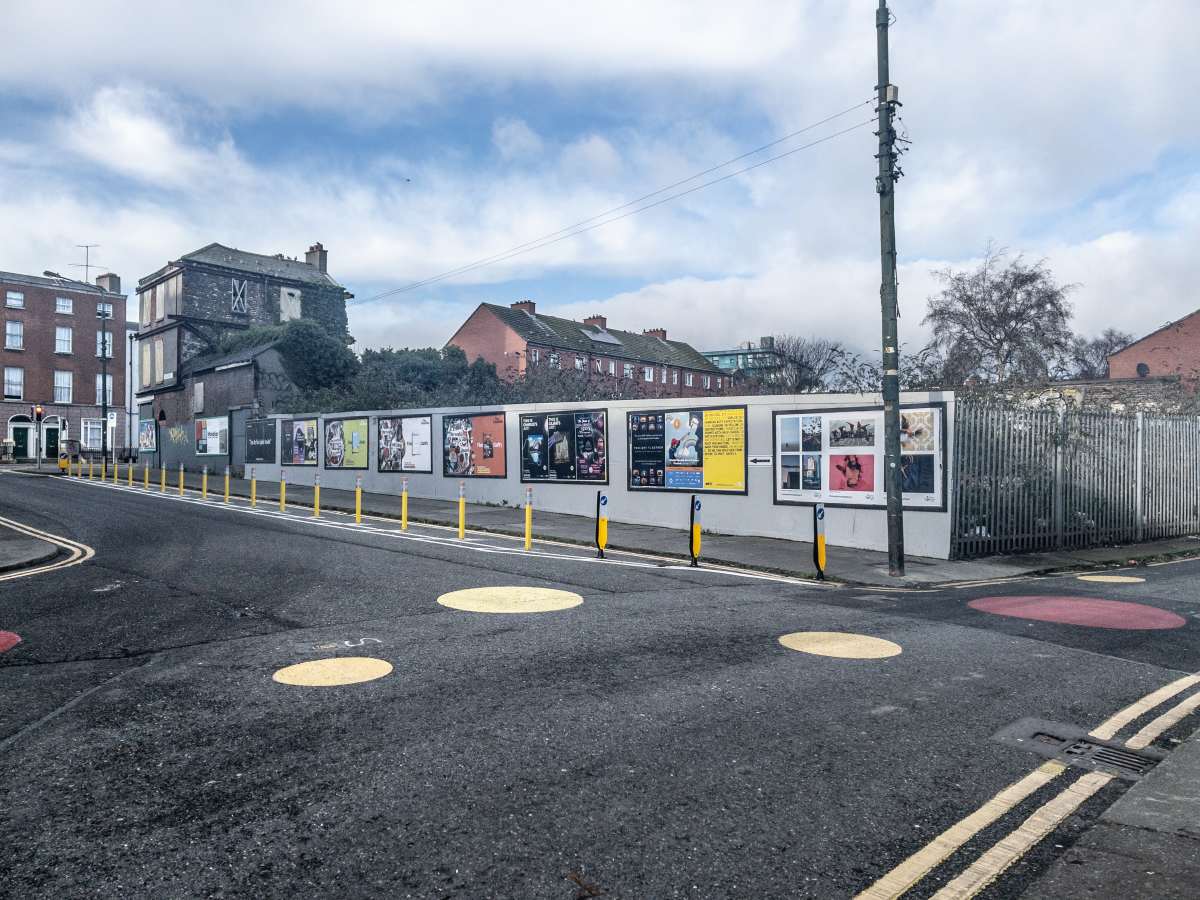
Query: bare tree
x=1089 y=356
x=1006 y=321
x=804 y=365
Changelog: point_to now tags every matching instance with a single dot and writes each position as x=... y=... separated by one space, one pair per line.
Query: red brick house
x=1173 y=349
x=518 y=336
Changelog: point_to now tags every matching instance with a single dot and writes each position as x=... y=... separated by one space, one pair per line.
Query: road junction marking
x=332 y=672
x=840 y=644
x=510 y=600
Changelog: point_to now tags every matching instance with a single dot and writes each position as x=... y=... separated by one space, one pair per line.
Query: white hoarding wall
x=769 y=490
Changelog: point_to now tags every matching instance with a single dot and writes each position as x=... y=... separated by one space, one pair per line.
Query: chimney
x=596 y=322
x=317 y=257
x=660 y=333
x=525 y=306
x=109 y=282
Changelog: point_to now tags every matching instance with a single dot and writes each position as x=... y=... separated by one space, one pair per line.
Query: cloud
x=514 y=139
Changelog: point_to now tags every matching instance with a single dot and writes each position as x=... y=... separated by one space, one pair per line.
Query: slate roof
x=210 y=361
x=61 y=283
x=255 y=264
x=566 y=334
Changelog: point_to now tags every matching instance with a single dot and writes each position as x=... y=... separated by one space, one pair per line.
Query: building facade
x=188 y=306
x=518 y=338
x=758 y=361
x=65 y=350
x=1173 y=349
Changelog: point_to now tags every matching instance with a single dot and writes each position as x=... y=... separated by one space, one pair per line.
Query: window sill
x=14 y=349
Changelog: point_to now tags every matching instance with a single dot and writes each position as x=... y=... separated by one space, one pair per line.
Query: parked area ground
x=230 y=701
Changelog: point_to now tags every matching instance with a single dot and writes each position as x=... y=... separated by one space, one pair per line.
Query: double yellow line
x=76 y=551
x=988 y=867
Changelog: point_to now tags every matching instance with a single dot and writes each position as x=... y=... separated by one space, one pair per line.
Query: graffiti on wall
x=177 y=434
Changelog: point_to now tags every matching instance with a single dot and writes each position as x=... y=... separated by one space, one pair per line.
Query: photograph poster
x=406 y=444
x=566 y=446
x=298 y=438
x=346 y=443
x=473 y=446
x=146 y=439
x=212 y=436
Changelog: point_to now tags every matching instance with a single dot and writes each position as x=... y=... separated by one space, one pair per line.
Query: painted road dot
x=1091 y=612
x=510 y=600
x=8 y=640
x=1112 y=579
x=841 y=644
x=334 y=671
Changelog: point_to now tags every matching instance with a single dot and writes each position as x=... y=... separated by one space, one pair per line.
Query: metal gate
x=1031 y=479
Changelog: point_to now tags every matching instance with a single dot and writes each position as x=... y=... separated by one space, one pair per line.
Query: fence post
x=1139 y=462
x=1060 y=439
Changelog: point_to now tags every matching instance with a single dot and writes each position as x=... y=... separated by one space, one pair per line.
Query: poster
x=473 y=446
x=688 y=450
x=405 y=444
x=298 y=442
x=346 y=443
x=212 y=436
x=836 y=457
x=260 y=441
x=146 y=442
x=565 y=446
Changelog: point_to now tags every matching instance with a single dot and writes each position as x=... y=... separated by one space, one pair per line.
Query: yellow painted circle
x=1112 y=579
x=333 y=671
x=510 y=600
x=841 y=644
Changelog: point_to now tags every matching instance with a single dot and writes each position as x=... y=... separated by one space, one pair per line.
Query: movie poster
x=298 y=438
x=405 y=444
x=566 y=446
x=688 y=450
x=346 y=443
x=474 y=446
x=837 y=457
x=146 y=440
x=212 y=436
x=260 y=441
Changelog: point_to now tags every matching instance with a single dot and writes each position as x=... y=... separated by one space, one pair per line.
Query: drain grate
x=1070 y=744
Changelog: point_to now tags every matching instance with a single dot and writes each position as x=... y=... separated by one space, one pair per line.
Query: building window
x=580 y=362
x=553 y=359
x=533 y=356
x=158 y=360
x=104 y=311
x=648 y=373
x=674 y=376
x=628 y=370
x=664 y=376
x=64 y=306
x=62 y=387
x=91 y=433
x=104 y=344
x=103 y=381
x=612 y=368
x=146 y=303
x=62 y=339
x=144 y=369
x=14 y=335
x=687 y=379
x=718 y=382
x=14 y=383
x=599 y=364
x=707 y=382
x=15 y=299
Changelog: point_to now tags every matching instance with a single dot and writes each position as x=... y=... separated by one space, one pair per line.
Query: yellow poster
x=725 y=449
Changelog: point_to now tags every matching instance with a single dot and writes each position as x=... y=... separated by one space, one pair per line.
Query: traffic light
x=39 y=413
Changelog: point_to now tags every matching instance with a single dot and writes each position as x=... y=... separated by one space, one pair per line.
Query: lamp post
x=104 y=383
x=129 y=399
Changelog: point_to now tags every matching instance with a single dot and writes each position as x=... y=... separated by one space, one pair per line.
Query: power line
x=590 y=223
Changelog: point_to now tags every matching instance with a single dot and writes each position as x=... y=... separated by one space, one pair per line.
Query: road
x=655 y=740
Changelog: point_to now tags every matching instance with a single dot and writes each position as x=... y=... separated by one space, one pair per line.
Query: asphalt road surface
x=656 y=740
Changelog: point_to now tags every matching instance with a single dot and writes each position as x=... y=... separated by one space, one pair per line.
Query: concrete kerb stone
x=24 y=552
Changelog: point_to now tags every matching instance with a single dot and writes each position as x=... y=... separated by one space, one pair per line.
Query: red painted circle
x=8 y=640
x=1090 y=611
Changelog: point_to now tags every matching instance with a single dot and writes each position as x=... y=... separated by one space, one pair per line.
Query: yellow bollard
x=529 y=518
x=358 y=500
x=145 y=476
x=129 y=476
x=162 y=479
x=181 y=479
x=204 y=483
x=317 y=496
x=91 y=465
x=282 y=490
x=227 y=484
x=116 y=471
x=601 y=523
x=253 y=488
x=462 y=510
x=104 y=469
x=694 y=542
x=404 y=505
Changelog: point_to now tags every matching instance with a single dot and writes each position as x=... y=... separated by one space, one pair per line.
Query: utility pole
x=885 y=185
x=104 y=384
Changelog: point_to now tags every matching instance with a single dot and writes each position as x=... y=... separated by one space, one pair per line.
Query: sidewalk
x=1146 y=845
x=17 y=550
x=865 y=567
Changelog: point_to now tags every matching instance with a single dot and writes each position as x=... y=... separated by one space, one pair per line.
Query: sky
x=414 y=139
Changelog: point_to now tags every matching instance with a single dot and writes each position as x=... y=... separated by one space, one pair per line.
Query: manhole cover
x=1071 y=745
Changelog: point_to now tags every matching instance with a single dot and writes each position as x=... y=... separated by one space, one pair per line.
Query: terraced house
x=516 y=338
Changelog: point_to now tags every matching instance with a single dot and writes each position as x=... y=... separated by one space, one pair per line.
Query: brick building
x=190 y=304
x=1173 y=349
x=516 y=337
x=53 y=340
